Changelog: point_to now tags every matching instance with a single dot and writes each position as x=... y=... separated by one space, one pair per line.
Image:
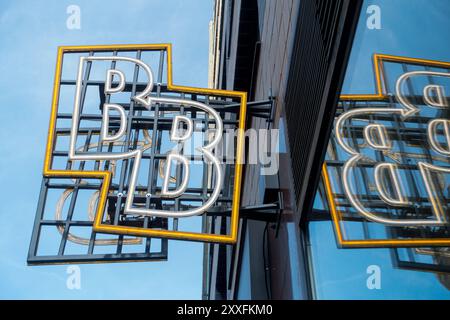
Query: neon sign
x=144 y=98
x=141 y=114
x=393 y=184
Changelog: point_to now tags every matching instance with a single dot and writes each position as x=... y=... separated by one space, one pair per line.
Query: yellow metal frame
x=380 y=95
x=105 y=176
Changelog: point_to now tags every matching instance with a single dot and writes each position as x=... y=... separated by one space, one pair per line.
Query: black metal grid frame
x=156 y=123
x=414 y=260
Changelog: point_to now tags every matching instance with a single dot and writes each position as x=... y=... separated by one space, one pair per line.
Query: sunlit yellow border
x=380 y=95
x=105 y=176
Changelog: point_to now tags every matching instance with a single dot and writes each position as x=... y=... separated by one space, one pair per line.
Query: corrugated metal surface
x=324 y=34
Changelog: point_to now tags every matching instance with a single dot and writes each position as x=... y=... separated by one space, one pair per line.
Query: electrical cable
x=266 y=265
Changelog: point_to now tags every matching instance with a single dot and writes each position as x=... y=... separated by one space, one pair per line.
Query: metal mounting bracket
x=268 y=212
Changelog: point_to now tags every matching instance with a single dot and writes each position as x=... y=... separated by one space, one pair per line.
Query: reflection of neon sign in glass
x=370 y=161
x=380 y=169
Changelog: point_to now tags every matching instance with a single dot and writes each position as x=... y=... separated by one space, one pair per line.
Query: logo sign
x=147 y=148
x=387 y=174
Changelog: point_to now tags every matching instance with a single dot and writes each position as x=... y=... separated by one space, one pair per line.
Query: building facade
x=361 y=203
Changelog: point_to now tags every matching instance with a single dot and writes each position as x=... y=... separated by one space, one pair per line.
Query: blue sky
x=30 y=32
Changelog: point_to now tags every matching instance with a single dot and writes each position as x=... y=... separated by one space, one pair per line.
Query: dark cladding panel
x=324 y=34
x=246 y=45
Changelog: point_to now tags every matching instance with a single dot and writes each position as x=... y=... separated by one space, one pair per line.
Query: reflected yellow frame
x=105 y=176
x=380 y=95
